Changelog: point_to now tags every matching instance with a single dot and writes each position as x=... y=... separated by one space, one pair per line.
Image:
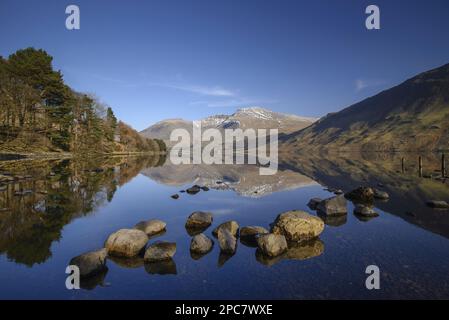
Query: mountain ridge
x=411 y=116
x=244 y=118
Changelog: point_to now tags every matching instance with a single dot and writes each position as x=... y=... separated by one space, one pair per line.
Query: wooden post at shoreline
x=402 y=164
x=443 y=166
x=420 y=166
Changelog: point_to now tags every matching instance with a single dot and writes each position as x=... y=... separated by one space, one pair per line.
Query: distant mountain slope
x=409 y=117
x=254 y=117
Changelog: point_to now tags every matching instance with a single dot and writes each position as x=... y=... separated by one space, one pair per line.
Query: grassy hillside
x=413 y=116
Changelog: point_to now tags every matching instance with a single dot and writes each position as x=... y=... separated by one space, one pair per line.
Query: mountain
x=413 y=116
x=254 y=117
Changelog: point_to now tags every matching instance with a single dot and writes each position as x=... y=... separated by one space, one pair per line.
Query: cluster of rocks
x=287 y=231
x=192 y=191
x=127 y=244
x=333 y=210
x=293 y=235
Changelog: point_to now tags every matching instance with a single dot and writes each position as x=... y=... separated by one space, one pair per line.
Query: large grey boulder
x=297 y=225
x=272 y=244
x=231 y=226
x=126 y=242
x=90 y=263
x=333 y=206
x=151 y=227
x=227 y=242
x=201 y=244
x=161 y=250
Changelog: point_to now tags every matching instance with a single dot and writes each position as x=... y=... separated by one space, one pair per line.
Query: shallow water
x=68 y=207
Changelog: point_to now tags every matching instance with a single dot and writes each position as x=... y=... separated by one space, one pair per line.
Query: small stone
x=227 y=242
x=199 y=219
x=366 y=211
x=361 y=194
x=271 y=244
x=90 y=263
x=333 y=206
x=151 y=227
x=231 y=226
x=251 y=232
x=193 y=190
x=175 y=196
x=126 y=242
x=205 y=188
x=201 y=244
x=438 y=204
x=314 y=202
x=382 y=195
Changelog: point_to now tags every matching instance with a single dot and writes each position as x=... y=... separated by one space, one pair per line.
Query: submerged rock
x=305 y=250
x=175 y=196
x=382 y=195
x=361 y=194
x=333 y=221
x=90 y=263
x=205 y=188
x=201 y=244
x=162 y=267
x=314 y=202
x=438 y=204
x=272 y=244
x=231 y=226
x=193 y=190
x=227 y=242
x=126 y=242
x=297 y=225
x=128 y=262
x=151 y=227
x=365 y=211
x=161 y=250
x=333 y=206
x=95 y=280
x=199 y=219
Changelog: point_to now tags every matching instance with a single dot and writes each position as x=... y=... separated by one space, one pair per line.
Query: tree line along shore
x=41 y=115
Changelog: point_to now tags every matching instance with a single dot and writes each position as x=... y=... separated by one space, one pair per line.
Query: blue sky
x=152 y=60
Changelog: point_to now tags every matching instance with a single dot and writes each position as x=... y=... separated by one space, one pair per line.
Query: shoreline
x=11 y=156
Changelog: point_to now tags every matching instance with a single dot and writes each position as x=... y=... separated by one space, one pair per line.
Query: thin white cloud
x=361 y=84
x=216 y=91
x=232 y=103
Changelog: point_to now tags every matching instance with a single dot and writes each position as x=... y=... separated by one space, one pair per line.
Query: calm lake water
x=55 y=210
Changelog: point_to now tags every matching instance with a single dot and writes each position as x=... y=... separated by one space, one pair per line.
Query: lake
x=54 y=210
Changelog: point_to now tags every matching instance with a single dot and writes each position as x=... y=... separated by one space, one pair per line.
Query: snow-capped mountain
x=245 y=118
